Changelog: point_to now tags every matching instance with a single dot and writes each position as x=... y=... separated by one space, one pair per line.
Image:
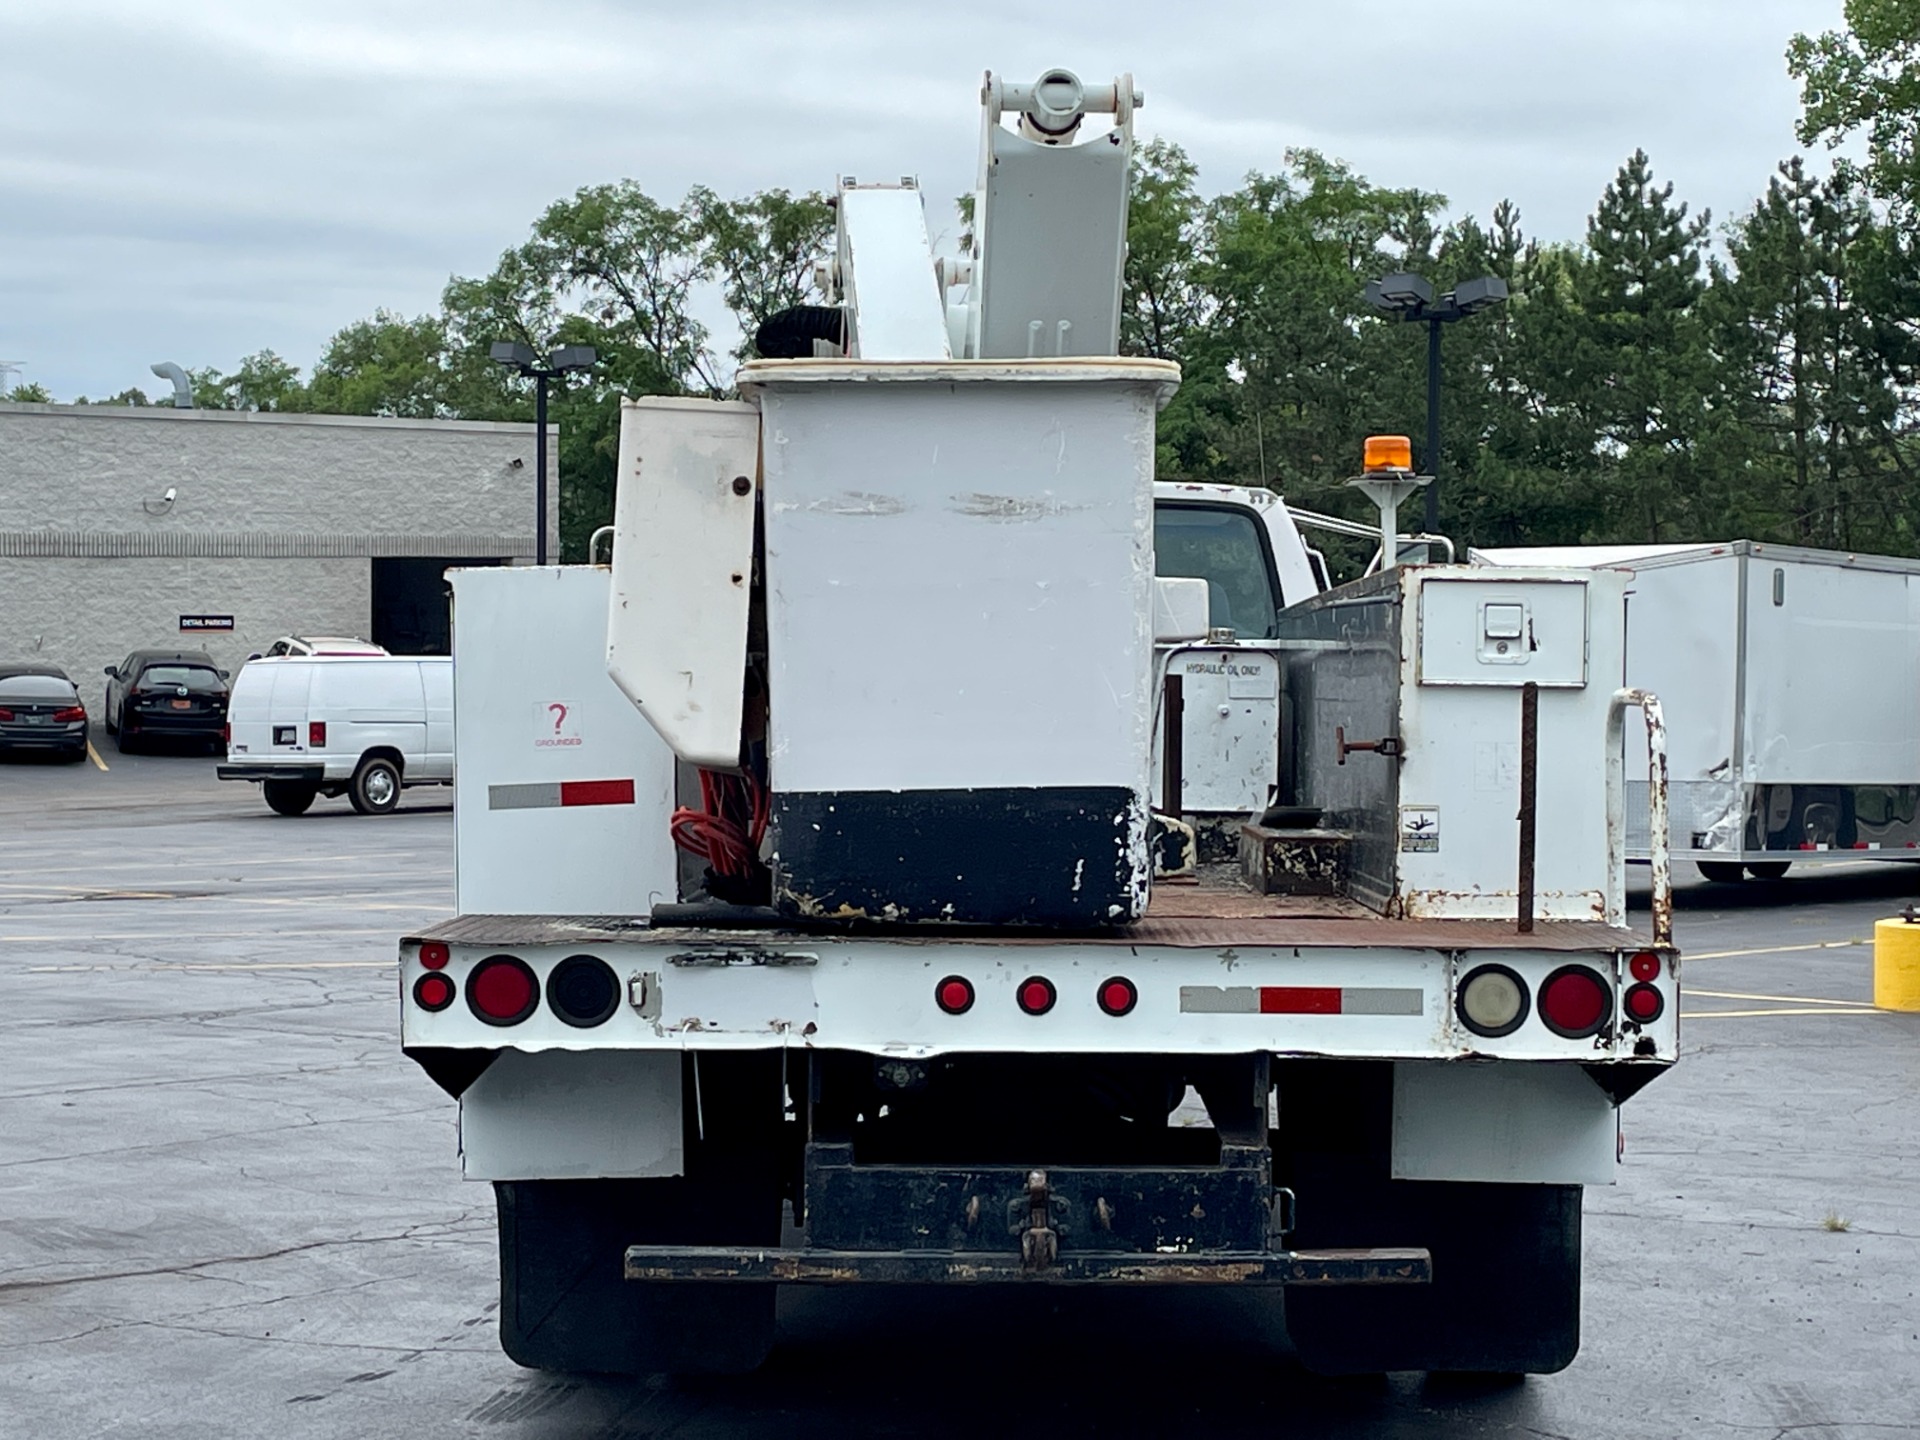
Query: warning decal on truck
x=1420 y=829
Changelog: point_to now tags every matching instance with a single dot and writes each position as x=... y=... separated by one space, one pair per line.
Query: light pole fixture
x=565 y=360
x=1411 y=297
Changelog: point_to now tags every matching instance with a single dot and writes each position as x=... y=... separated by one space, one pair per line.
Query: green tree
x=1629 y=361
x=1866 y=77
x=764 y=250
x=28 y=392
x=384 y=365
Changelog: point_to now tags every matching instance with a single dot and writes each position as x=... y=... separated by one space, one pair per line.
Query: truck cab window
x=1224 y=546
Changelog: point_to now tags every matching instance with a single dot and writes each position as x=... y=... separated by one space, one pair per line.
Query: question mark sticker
x=559 y=716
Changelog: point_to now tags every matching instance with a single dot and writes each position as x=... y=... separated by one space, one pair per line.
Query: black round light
x=583 y=991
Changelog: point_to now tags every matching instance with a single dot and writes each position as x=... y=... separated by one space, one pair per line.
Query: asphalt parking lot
x=228 y=1206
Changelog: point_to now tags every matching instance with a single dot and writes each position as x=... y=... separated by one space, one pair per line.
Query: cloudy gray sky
x=197 y=179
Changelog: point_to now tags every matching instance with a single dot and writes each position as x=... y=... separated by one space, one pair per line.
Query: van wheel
x=1769 y=869
x=288 y=797
x=1722 y=872
x=375 y=788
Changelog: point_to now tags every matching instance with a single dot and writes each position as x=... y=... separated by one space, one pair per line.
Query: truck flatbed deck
x=1211 y=913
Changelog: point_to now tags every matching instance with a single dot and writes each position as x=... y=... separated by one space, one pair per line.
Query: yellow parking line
x=1740 y=1014
x=94 y=755
x=1777 y=949
x=1776 y=999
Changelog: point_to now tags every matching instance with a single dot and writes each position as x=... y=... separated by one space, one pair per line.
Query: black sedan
x=41 y=711
x=166 y=692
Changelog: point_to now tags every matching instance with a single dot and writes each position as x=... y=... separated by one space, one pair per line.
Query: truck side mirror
x=1182 y=610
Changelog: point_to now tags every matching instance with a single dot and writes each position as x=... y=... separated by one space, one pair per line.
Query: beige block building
x=127 y=528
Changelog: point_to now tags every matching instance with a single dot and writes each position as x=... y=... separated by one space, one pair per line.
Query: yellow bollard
x=1896 y=963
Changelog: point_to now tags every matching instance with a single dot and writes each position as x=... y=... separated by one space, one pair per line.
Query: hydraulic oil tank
x=959 y=587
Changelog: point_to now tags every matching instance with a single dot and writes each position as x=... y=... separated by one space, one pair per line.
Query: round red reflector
x=1036 y=996
x=433 y=992
x=954 y=995
x=1643 y=1003
x=1574 y=1001
x=1645 y=966
x=1118 y=996
x=502 y=990
x=434 y=955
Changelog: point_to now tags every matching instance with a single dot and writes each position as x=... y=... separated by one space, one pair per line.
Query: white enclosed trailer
x=892 y=626
x=1791 y=681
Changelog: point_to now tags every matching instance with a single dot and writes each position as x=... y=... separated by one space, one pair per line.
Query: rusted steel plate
x=661 y=1265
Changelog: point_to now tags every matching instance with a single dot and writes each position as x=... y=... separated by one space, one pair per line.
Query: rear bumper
x=43 y=737
x=935 y=1267
x=310 y=774
x=162 y=722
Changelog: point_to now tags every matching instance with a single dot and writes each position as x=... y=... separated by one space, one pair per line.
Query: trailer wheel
x=1722 y=872
x=1770 y=869
x=1505 y=1295
x=288 y=797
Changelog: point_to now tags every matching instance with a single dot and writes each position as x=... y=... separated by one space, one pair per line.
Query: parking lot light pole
x=565 y=360
x=1410 y=297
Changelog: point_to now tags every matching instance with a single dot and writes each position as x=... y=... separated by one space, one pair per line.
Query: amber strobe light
x=1492 y=1000
x=1575 y=1002
x=502 y=990
x=1387 y=452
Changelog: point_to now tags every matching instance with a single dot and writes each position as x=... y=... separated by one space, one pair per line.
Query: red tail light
x=6 y=714
x=67 y=714
x=954 y=995
x=1645 y=966
x=317 y=734
x=1575 y=1002
x=433 y=992
x=226 y=734
x=502 y=990
x=1118 y=997
x=1643 y=1003
x=1036 y=996
x=434 y=955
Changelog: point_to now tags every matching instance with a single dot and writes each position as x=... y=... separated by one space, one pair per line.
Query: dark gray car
x=169 y=693
x=40 y=710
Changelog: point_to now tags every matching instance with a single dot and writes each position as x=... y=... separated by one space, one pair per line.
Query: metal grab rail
x=1649 y=704
x=593 y=544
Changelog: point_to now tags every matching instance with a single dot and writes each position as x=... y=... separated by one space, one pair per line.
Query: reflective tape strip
x=556 y=793
x=1300 y=1000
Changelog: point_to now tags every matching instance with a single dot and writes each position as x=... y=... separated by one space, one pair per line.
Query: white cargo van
x=363 y=726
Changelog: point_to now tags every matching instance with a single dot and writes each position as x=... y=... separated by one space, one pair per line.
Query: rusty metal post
x=1174 y=707
x=1529 y=796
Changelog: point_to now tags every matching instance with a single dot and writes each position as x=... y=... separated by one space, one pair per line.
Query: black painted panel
x=1052 y=856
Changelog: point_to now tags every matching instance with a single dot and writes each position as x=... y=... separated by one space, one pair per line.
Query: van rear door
x=436 y=679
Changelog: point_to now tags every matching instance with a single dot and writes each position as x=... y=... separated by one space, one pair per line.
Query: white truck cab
x=362 y=726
